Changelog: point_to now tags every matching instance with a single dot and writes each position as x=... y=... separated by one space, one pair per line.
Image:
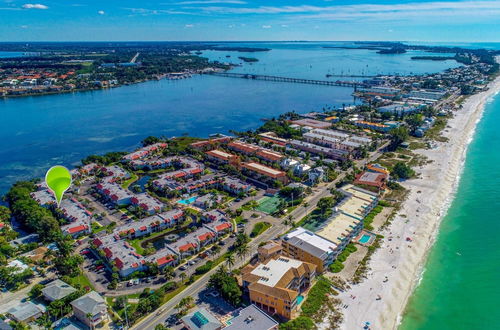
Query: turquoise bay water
x=460 y=289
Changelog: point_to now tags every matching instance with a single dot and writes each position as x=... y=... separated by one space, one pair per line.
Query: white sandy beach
x=419 y=218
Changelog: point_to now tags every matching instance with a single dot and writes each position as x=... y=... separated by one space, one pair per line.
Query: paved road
x=323 y=190
x=194 y=289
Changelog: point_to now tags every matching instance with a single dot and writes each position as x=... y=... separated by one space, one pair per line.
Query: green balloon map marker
x=58 y=179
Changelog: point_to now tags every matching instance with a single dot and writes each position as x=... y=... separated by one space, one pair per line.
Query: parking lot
x=208 y=299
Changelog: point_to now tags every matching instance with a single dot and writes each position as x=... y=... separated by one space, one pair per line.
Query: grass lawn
x=132 y=179
x=136 y=243
x=82 y=280
x=259 y=228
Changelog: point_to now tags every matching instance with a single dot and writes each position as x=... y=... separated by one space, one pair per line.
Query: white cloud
x=188 y=26
x=24 y=26
x=416 y=9
x=284 y=25
x=207 y=2
x=101 y=12
x=34 y=6
x=266 y=26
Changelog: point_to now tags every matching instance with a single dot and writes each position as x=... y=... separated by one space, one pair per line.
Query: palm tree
x=242 y=251
x=182 y=276
x=288 y=221
x=230 y=261
x=89 y=316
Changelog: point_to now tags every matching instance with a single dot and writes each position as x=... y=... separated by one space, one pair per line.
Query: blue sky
x=58 y=20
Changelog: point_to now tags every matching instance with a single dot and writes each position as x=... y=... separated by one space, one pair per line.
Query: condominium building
x=278 y=285
x=304 y=245
x=145 y=151
x=261 y=171
x=221 y=157
x=244 y=148
x=347 y=221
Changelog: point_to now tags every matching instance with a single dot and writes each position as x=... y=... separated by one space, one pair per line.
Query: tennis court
x=268 y=204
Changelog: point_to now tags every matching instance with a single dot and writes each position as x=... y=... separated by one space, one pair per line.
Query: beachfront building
x=306 y=246
x=347 y=221
x=260 y=171
x=90 y=309
x=278 y=285
x=372 y=179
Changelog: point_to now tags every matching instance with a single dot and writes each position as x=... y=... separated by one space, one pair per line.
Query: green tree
x=397 y=136
x=402 y=171
x=300 y=323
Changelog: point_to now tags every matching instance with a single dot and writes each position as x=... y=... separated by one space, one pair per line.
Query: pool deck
x=363 y=233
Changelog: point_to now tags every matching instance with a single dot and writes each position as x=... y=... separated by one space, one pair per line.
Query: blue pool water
x=300 y=298
x=188 y=201
x=364 y=239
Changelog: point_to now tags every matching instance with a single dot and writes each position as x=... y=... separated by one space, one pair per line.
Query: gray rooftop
x=92 y=303
x=26 y=310
x=201 y=319
x=57 y=289
x=251 y=318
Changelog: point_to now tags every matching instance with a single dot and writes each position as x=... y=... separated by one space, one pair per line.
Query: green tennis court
x=268 y=204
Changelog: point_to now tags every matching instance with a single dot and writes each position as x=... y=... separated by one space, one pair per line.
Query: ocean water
x=459 y=289
x=39 y=132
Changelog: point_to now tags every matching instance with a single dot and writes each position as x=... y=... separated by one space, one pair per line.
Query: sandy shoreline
x=399 y=262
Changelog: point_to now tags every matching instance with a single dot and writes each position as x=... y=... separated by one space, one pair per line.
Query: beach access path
x=398 y=265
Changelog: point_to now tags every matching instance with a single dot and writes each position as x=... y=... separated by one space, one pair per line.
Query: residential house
x=90 y=309
x=56 y=290
x=26 y=312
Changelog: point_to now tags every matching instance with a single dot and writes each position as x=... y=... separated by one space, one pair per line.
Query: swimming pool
x=299 y=299
x=364 y=239
x=188 y=201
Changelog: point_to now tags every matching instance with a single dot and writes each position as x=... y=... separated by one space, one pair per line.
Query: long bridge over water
x=352 y=84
